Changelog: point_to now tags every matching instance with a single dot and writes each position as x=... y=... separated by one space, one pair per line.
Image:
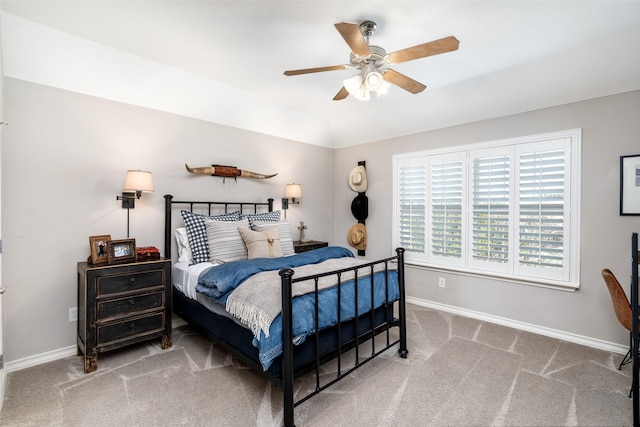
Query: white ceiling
x=223 y=61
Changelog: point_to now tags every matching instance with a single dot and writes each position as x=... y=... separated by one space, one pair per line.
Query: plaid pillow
x=197 y=233
x=263 y=217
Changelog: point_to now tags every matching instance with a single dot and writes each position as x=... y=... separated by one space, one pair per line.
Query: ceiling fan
x=371 y=60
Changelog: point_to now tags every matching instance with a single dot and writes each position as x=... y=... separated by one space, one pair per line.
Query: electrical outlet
x=73 y=314
x=441 y=282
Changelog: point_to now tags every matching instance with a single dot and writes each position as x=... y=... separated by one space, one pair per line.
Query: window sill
x=542 y=283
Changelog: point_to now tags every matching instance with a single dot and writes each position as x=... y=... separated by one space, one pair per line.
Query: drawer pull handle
x=132 y=281
x=132 y=327
x=132 y=303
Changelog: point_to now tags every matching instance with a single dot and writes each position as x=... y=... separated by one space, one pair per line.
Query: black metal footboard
x=373 y=329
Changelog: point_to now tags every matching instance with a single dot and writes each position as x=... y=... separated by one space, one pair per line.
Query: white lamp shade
x=373 y=81
x=355 y=86
x=137 y=180
x=384 y=88
x=293 y=191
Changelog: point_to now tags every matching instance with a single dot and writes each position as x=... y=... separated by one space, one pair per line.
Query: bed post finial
x=167 y=225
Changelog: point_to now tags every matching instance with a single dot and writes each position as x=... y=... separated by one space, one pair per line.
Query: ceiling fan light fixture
x=356 y=87
x=383 y=89
x=373 y=80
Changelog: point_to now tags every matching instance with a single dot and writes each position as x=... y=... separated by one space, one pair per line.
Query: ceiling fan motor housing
x=376 y=57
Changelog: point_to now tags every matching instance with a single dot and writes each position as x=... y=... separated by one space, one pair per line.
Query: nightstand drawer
x=128 y=282
x=126 y=306
x=129 y=328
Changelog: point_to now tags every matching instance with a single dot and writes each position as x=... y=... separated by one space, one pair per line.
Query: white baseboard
x=50 y=356
x=540 y=330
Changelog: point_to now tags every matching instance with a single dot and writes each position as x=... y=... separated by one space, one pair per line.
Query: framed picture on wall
x=630 y=185
x=98 y=245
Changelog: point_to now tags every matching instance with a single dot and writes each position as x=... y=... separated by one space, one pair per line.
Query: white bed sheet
x=185 y=276
x=185 y=279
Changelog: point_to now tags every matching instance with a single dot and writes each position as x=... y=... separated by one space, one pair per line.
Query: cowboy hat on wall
x=357 y=236
x=360 y=207
x=358 y=179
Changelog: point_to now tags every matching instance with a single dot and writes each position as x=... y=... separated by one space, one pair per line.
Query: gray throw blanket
x=258 y=301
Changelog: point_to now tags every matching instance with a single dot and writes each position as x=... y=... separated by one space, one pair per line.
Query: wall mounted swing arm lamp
x=293 y=192
x=136 y=182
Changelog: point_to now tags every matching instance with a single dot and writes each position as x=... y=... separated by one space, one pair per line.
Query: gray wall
x=610 y=128
x=65 y=155
x=64 y=160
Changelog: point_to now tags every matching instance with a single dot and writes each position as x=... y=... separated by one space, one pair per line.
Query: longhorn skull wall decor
x=227 y=172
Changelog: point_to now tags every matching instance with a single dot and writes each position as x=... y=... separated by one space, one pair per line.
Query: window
x=505 y=208
x=446 y=208
x=411 y=227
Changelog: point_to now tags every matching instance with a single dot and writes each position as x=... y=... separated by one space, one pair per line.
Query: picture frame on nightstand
x=123 y=250
x=98 y=245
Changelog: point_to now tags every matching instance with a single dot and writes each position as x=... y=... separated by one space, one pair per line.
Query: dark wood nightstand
x=122 y=304
x=299 y=246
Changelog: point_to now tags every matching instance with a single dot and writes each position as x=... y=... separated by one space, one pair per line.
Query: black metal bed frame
x=373 y=329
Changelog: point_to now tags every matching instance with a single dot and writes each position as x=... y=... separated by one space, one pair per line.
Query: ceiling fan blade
x=403 y=81
x=350 y=32
x=435 y=47
x=315 y=70
x=342 y=94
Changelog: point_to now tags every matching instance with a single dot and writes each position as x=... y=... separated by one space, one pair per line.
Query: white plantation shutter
x=542 y=215
x=490 y=212
x=446 y=197
x=505 y=208
x=411 y=203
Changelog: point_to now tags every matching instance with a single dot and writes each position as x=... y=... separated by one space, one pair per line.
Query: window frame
x=570 y=277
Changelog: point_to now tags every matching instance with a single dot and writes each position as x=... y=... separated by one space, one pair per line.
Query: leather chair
x=622 y=308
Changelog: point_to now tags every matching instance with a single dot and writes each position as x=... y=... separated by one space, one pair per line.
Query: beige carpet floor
x=460 y=372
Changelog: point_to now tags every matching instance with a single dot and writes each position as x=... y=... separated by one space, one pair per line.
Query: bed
x=280 y=313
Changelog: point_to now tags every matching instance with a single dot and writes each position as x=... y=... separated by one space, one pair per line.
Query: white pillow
x=225 y=241
x=262 y=244
x=284 y=231
x=182 y=242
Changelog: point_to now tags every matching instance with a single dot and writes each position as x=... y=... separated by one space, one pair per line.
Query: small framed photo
x=123 y=250
x=98 y=245
x=630 y=185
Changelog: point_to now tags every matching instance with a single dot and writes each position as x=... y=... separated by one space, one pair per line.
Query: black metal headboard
x=223 y=207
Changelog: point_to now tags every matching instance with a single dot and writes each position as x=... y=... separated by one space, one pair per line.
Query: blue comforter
x=218 y=282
